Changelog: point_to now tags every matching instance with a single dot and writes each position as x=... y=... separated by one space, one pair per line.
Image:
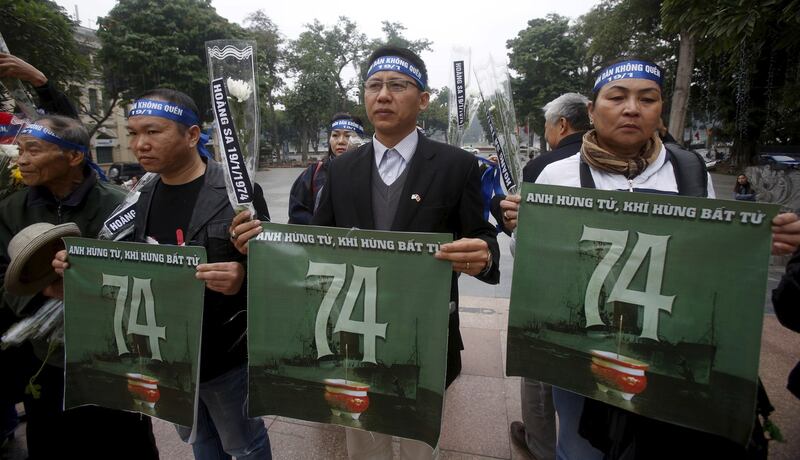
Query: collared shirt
x=405 y=148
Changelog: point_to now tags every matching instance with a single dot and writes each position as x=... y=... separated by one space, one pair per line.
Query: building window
x=106 y=103
x=74 y=95
x=104 y=155
x=93 y=105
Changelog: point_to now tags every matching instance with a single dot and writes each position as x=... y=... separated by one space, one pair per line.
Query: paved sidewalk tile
x=482 y=352
x=483 y=312
x=300 y=441
x=453 y=455
x=475 y=417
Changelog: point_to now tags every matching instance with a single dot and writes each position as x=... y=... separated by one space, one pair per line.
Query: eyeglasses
x=395 y=86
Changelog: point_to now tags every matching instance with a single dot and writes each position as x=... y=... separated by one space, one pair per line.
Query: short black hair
x=404 y=53
x=69 y=129
x=175 y=97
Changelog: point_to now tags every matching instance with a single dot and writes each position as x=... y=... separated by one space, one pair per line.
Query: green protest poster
x=349 y=327
x=649 y=302
x=133 y=316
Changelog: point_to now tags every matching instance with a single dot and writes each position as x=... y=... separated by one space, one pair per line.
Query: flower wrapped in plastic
x=10 y=177
x=47 y=322
x=120 y=223
x=494 y=85
x=462 y=103
x=231 y=67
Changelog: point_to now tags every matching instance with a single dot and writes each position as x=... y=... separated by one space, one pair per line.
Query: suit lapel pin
x=416 y=197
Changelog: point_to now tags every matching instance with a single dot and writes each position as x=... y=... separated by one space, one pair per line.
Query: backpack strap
x=314 y=178
x=587 y=181
x=690 y=171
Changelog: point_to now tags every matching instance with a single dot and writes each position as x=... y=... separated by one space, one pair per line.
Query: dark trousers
x=88 y=432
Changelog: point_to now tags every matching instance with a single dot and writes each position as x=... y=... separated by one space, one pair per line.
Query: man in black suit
x=402 y=181
x=566 y=121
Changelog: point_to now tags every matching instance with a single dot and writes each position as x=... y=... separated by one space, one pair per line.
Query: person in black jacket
x=742 y=190
x=344 y=134
x=51 y=100
x=786 y=301
x=61 y=188
x=404 y=181
x=189 y=202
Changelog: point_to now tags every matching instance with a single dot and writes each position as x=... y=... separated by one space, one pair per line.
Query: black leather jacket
x=224 y=345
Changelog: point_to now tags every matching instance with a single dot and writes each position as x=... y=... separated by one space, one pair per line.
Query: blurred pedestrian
x=344 y=133
x=742 y=190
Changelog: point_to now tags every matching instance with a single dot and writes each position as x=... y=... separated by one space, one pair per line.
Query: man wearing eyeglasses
x=402 y=181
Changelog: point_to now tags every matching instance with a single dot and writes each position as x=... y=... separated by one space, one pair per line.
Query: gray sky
x=482 y=26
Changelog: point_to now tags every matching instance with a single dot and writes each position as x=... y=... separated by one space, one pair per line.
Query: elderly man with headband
x=345 y=134
x=63 y=187
x=624 y=152
x=188 y=205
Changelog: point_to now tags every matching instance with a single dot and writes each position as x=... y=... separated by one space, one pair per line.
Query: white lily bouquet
x=494 y=85
x=231 y=68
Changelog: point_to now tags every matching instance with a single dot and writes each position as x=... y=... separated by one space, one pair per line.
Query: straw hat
x=31 y=252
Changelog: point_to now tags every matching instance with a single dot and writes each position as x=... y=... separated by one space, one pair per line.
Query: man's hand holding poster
x=652 y=303
x=132 y=320
x=349 y=327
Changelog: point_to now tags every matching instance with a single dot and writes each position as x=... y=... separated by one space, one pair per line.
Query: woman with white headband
x=346 y=132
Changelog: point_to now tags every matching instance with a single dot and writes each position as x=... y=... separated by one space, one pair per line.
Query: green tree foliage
x=746 y=66
x=547 y=59
x=434 y=118
x=616 y=28
x=269 y=62
x=308 y=106
x=745 y=77
x=482 y=119
x=318 y=61
x=149 y=44
x=38 y=31
x=329 y=50
x=393 y=36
